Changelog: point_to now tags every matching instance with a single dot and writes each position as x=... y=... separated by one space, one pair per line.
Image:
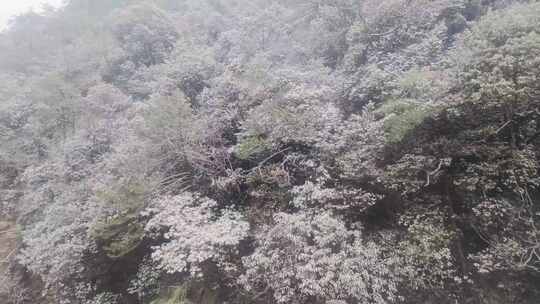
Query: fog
x=11 y=8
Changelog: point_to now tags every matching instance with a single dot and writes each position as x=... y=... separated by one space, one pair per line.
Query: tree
x=314 y=258
x=145 y=33
x=194 y=234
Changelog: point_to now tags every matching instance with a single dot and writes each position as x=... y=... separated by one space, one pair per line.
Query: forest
x=271 y=151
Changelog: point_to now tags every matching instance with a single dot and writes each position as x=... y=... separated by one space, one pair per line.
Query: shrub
x=195 y=234
x=250 y=146
x=305 y=258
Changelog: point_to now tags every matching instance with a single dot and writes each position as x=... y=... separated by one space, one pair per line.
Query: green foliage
x=250 y=147
x=415 y=97
x=402 y=117
x=176 y=295
x=188 y=293
x=120 y=233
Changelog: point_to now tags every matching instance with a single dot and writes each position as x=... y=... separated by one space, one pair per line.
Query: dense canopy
x=271 y=151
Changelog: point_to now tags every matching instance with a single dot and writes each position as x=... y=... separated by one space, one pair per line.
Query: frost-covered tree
x=255 y=151
x=305 y=258
x=145 y=33
x=194 y=233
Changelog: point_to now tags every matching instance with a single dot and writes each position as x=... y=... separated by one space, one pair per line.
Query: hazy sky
x=9 y=8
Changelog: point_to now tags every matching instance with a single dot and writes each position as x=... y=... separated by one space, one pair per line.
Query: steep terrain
x=283 y=151
x=8 y=239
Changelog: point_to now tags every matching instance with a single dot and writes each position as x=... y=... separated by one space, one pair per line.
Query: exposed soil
x=8 y=245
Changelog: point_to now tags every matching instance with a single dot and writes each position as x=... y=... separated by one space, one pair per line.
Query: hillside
x=271 y=151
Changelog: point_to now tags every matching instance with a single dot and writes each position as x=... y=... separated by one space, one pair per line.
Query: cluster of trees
x=284 y=151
